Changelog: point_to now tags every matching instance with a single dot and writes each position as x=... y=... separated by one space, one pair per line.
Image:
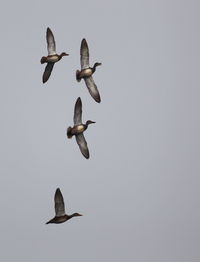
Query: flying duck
x=87 y=72
x=79 y=128
x=60 y=216
x=52 y=57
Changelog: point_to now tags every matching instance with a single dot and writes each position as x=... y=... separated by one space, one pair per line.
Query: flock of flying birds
x=77 y=130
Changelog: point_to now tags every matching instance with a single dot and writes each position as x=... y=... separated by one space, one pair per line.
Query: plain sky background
x=139 y=191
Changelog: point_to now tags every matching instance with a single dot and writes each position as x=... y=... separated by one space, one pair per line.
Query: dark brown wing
x=78 y=112
x=51 y=44
x=80 y=139
x=92 y=88
x=84 y=54
x=47 y=72
x=59 y=203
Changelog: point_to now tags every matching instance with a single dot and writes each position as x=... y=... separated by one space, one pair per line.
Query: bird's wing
x=80 y=139
x=84 y=55
x=78 y=112
x=92 y=88
x=59 y=203
x=51 y=44
x=47 y=72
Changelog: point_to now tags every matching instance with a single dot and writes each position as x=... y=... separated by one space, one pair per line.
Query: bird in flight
x=52 y=57
x=78 y=129
x=87 y=72
x=60 y=216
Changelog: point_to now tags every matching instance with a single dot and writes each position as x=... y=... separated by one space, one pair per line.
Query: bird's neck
x=94 y=68
x=60 y=56
x=86 y=125
x=70 y=216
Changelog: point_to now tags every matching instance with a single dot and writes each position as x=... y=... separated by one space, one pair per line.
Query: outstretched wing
x=92 y=88
x=51 y=44
x=59 y=203
x=47 y=72
x=80 y=139
x=78 y=112
x=84 y=54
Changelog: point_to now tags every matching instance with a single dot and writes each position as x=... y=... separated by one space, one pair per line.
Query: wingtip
x=84 y=43
x=87 y=156
x=78 y=99
x=49 y=31
x=44 y=81
x=84 y=40
x=78 y=102
x=97 y=99
x=58 y=192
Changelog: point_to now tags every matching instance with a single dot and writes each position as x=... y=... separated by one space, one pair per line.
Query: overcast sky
x=139 y=191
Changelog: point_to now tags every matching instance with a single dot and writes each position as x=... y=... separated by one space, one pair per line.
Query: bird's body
x=62 y=219
x=75 y=130
x=60 y=216
x=58 y=220
x=86 y=72
x=52 y=57
x=78 y=129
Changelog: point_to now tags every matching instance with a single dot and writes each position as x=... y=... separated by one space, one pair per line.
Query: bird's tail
x=43 y=60
x=77 y=76
x=69 y=134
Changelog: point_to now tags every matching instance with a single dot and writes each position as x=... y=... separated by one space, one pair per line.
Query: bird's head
x=76 y=215
x=90 y=122
x=63 y=54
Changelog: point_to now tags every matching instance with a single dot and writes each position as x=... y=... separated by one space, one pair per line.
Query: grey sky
x=139 y=192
